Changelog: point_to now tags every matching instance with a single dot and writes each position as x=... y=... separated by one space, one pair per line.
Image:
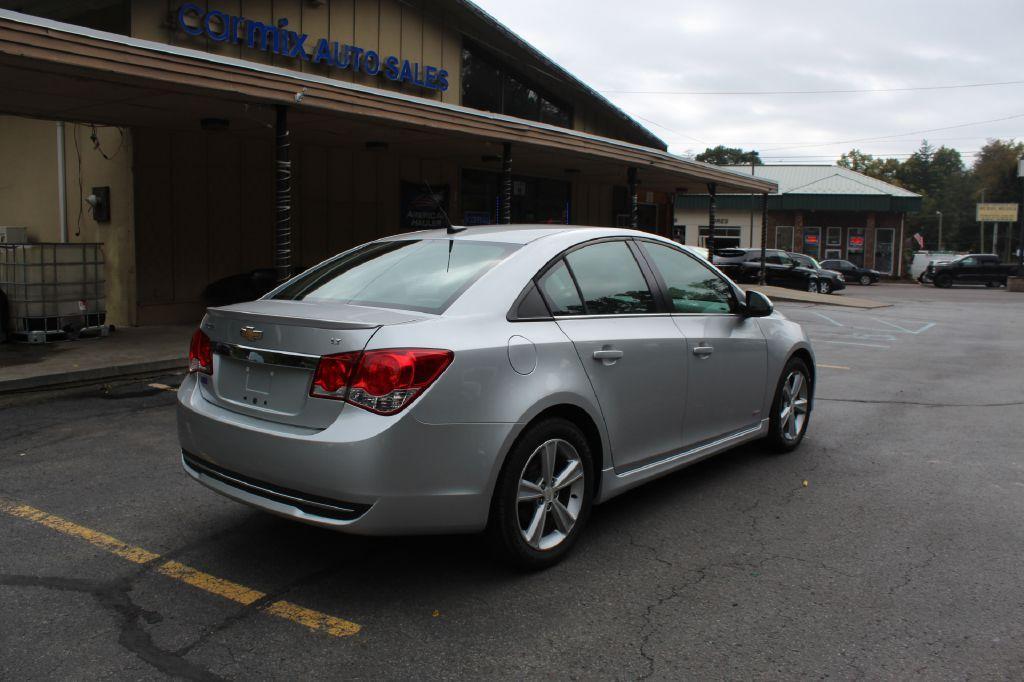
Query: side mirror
x=758 y=305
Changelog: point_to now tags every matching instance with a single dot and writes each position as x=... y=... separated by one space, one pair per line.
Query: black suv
x=852 y=272
x=829 y=281
x=744 y=265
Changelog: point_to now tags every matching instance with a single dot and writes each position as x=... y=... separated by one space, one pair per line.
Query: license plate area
x=261 y=387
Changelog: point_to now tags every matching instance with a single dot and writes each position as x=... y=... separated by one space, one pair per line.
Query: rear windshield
x=423 y=274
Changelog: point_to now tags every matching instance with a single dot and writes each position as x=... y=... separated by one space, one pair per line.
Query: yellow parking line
x=240 y=594
x=102 y=540
x=832 y=366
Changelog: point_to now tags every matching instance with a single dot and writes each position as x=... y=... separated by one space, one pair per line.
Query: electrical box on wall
x=100 y=202
x=13 y=235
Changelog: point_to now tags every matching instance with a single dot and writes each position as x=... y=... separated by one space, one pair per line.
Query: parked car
x=744 y=265
x=974 y=268
x=852 y=272
x=829 y=281
x=500 y=378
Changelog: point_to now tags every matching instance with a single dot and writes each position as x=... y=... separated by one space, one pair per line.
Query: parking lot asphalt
x=888 y=546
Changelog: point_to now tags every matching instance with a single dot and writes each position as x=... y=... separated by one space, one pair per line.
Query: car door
x=633 y=354
x=726 y=352
x=774 y=274
x=967 y=270
x=790 y=276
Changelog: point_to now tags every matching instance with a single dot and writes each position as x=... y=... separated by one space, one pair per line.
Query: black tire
x=865 y=280
x=943 y=281
x=812 y=286
x=503 y=528
x=991 y=285
x=776 y=439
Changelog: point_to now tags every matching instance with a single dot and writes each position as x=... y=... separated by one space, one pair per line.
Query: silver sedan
x=501 y=378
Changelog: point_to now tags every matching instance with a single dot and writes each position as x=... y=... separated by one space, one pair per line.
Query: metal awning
x=59 y=71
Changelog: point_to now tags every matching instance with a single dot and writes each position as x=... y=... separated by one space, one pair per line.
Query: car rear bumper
x=364 y=474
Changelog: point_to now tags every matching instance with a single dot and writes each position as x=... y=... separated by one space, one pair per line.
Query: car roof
x=521 y=234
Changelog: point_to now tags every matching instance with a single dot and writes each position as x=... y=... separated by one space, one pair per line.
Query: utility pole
x=939 y=213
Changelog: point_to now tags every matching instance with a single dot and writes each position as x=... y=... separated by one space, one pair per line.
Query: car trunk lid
x=266 y=352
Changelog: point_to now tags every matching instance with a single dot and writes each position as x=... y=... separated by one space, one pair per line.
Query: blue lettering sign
x=221 y=27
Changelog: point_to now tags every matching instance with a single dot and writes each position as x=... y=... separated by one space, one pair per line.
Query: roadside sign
x=997 y=213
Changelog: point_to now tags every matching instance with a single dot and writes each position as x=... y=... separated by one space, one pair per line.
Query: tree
x=995 y=170
x=882 y=169
x=729 y=156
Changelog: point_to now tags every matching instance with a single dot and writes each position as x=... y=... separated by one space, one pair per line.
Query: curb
x=797 y=296
x=88 y=376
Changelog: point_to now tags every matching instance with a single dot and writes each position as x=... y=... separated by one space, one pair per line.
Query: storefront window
x=725 y=237
x=534 y=200
x=490 y=87
x=113 y=16
x=481 y=83
x=784 y=237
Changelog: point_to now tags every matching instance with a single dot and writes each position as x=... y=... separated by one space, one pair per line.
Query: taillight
x=381 y=381
x=332 y=375
x=200 y=353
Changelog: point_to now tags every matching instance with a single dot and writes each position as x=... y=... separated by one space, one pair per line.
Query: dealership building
x=197 y=140
x=827 y=212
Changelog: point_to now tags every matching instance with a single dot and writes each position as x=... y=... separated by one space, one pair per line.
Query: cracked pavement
x=900 y=557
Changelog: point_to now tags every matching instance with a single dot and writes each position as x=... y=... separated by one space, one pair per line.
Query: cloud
x=661 y=45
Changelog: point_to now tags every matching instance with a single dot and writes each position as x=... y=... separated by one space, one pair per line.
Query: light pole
x=939 y=213
x=1020 y=217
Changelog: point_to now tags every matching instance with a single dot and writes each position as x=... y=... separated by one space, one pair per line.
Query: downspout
x=62 y=173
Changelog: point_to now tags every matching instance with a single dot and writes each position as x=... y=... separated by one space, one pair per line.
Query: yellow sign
x=997 y=213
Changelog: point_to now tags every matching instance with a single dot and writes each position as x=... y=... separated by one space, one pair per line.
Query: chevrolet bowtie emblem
x=251 y=333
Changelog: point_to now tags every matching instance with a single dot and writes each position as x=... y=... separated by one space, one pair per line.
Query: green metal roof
x=815 y=188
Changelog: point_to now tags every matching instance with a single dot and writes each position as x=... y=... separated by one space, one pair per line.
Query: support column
x=283 y=206
x=764 y=235
x=710 y=242
x=506 y=184
x=634 y=213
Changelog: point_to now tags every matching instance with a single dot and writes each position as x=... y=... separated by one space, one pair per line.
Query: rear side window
x=610 y=280
x=692 y=287
x=427 y=275
x=560 y=291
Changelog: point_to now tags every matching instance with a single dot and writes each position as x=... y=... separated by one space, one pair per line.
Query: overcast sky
x=668 y=45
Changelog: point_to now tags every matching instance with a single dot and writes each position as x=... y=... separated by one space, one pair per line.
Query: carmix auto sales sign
x=222 y=27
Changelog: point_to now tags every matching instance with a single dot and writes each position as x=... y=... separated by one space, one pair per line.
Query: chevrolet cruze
x=500 y=379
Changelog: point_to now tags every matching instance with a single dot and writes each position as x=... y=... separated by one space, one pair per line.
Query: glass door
x=883 y=250
x=855 y=246
x=834 y=243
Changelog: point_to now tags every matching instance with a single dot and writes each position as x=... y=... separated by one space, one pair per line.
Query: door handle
x=703 y=351
x=607 y=356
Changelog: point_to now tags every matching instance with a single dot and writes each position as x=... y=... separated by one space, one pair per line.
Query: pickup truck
x=974 y=268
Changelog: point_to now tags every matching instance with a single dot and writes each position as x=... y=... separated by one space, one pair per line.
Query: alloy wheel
x=550 y=494
x=824 y=287
x=812 y=286
x=794 y=405
x=865 y=280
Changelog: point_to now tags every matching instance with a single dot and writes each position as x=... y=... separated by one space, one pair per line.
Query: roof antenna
x=448 y=221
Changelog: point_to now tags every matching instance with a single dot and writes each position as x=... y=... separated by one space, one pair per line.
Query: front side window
x=425 y=274
x=611 y=280
x=692 y=287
